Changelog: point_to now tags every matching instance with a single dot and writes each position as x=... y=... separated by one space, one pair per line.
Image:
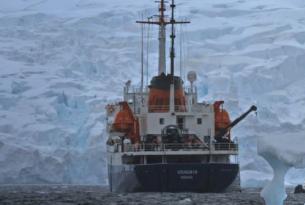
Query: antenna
x=147 y=51
x=180 y=51
x=142 y=57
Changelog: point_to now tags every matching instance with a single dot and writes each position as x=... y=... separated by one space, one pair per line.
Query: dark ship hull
x=209 y=177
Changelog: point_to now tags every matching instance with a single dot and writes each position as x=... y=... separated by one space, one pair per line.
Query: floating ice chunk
x=282 y=151
x=185 y=201
x=274 y=192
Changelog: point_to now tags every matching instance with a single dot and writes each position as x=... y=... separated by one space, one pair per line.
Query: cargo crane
x=220 y=136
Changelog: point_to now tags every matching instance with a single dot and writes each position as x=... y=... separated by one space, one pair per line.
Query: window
x=199 y=121
x=161 y=121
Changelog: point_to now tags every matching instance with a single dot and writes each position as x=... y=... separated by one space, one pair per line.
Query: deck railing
x=165 y=108
x=144 y=147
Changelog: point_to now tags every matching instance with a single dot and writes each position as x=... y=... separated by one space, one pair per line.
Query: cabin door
x=181 y=122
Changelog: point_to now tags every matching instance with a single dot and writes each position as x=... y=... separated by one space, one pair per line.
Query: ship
x=161 y=139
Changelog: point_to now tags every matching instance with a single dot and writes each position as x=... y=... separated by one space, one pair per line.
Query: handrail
x=150 y=147
x=165 y=108
x=136 y=89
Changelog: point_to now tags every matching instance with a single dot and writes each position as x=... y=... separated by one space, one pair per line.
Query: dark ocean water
x=86 y=195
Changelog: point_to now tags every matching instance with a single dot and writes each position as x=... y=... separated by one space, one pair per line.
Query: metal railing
x=147 y=147
x=165 y=108
x=225 y=147
x=138 y=90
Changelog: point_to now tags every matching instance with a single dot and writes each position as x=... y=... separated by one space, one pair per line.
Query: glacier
x=63 y=61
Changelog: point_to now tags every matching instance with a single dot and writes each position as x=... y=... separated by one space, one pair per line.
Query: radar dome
x=192 y=76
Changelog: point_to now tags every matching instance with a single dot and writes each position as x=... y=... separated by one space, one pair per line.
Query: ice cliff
x=61 y=62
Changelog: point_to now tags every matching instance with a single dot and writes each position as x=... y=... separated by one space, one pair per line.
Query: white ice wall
x=62 y=61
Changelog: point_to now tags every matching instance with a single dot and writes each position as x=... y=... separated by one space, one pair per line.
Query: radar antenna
x=192 y=77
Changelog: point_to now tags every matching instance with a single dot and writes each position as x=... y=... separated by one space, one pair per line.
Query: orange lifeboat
x=222 y=118
x=125 y=122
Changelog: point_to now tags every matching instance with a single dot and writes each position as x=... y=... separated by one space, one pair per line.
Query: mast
x=172 y=36
x=142 y=59
x=162 y=22
x=172 y=55
x=162 y=39
x=172 y=60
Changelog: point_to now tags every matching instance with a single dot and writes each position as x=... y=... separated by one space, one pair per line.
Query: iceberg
x=282 y=151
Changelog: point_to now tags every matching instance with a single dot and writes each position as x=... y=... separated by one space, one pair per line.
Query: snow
x=63 y=61
x=282 y=151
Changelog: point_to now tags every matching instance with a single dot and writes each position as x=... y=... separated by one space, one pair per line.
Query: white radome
x=192 y=76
